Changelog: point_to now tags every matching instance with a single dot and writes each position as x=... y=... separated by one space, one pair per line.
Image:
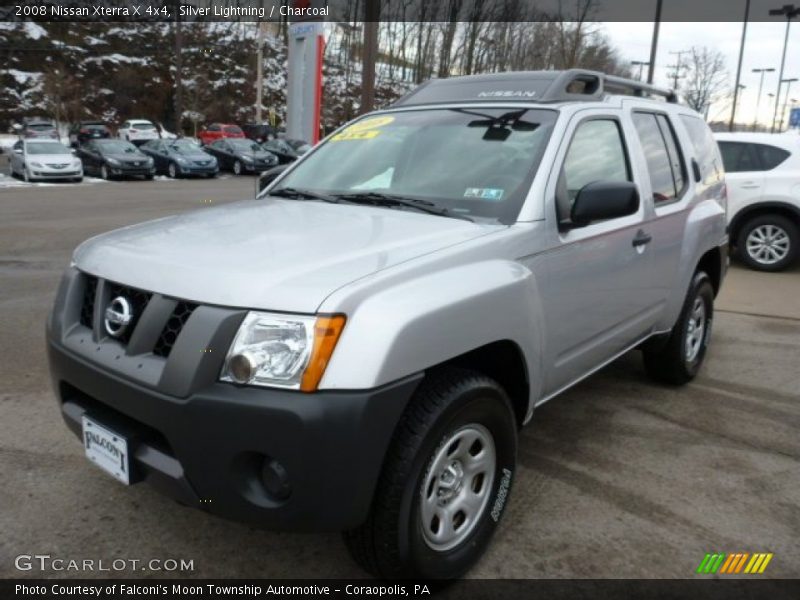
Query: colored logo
x=734 y=563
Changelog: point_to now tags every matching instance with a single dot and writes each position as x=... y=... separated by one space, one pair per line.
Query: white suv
x=138 y=130
x=763 y=177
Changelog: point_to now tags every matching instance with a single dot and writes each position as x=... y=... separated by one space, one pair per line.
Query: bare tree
x=706 y=79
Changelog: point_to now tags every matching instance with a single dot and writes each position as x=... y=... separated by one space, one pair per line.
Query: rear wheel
x=768 y=243
x=445 y=481
x=679 y=358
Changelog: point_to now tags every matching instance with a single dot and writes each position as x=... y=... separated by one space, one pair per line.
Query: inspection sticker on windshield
x=363 y=130
x=484 y=193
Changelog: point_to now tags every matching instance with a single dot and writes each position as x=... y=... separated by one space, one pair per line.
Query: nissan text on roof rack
x=357 y=349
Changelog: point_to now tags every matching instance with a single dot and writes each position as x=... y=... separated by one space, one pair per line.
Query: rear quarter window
x=705 y=146
x=770 y=156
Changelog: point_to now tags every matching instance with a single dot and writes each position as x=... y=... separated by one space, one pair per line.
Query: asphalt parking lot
x=617 y=478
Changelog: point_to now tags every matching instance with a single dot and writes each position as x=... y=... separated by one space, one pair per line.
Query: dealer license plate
x=106 y=449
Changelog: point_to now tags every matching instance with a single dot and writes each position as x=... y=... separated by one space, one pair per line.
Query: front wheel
x=237 y=168
x=445 y=481
x=172 y=170
x=679 y=358
x=104 y=173
x=768 y=243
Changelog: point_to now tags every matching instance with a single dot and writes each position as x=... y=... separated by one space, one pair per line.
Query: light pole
x=739 y=64
x=654 y=43
x=758 y=97
x=790 y=12
x=641 y=64
x=788 y=83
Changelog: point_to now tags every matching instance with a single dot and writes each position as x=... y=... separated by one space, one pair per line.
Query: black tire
x=391 y=543
x=149 y=177
x=172 y=171
x=104 y=174
x=668 y=362
x=238 y=169
x=778 y=223
x=78 y=179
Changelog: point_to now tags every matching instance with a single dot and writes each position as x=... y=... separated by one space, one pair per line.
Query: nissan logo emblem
x=118 y=316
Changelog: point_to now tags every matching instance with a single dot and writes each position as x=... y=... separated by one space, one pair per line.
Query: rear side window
x=770 y=156
x=661 y=152
x=738 y=157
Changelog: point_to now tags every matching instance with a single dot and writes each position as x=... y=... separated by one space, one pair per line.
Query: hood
x=127 y=157
x=52 y=158
x=272 y=254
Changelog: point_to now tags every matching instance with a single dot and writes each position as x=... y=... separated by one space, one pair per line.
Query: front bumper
x=205 y=443
x=131 y=171
x=53 y=174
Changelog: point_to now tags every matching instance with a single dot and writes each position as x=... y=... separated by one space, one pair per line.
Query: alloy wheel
x=695 y=329
x=768 y=244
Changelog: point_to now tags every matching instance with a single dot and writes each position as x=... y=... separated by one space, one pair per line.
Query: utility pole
x=259 y=70
x=760 y=87
x=739 y=64
x=654 y=43
x=790 y=12
x=372 y=10
x=677 y=66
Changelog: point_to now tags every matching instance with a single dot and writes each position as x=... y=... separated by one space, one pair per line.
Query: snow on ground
x=35 y=31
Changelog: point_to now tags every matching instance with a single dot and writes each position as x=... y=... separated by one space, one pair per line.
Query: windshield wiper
x=298 y=194
x=380 y=199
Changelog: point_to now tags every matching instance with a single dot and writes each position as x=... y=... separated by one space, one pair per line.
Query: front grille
x=138 y=300
x=178 y=318
x=87 y=306
x=202 y=163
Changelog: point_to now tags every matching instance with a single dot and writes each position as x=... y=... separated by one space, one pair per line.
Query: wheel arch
x=762 y=208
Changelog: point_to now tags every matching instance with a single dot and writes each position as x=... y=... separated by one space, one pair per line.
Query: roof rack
x=573 y=85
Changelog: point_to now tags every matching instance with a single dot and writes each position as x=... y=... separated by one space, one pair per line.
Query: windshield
x=476 y=162
x=245 y=146
x=40 y=126
x=46 y=148
x=184 y=147
x=115 y=147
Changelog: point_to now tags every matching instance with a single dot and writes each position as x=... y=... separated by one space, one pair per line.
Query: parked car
x=38 y=128
x=394 y=308
x=217 y=131
x=299 y=146
x=110 y=159
x=282 y=149
x=180 y=158
x=83 y=131
x=44 y=159
x=259 y=133
x=138 y=131
x=241 y=156
x=763 y=176
x=270 y=175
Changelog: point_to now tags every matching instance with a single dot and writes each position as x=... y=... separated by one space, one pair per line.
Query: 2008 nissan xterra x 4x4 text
x=357 y=348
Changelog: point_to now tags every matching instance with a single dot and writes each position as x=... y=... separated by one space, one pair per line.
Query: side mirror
x=17 y=150
x=16 y=127
x=602 y=200
x=268 y=176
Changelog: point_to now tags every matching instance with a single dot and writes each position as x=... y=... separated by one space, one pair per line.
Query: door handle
x=750 y=186
x=641 y=239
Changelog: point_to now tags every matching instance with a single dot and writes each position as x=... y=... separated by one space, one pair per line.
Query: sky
x=763 y=48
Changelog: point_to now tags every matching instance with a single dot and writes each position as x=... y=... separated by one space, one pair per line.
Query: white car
x=44 y=159
x=138 y=130
x=762 y=171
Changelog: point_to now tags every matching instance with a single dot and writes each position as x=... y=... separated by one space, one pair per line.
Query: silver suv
x=357 y=348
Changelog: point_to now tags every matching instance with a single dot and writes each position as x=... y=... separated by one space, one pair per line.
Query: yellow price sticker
x=356 y=135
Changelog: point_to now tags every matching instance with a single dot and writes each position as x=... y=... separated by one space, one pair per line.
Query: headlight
x=113 y=161
x=148 y=161
x=36 y=164
x=180 y=160
x=286 y=351
x=246 y=158
x=76 y=162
